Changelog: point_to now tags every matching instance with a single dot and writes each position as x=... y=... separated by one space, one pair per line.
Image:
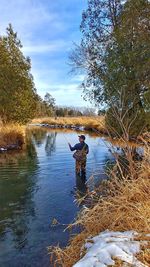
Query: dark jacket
x=80 y=146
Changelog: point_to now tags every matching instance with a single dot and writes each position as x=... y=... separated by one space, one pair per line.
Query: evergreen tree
x=128 y=68
x=115 y=52
x=45 y=107
x=49 y=103
x=17 y=91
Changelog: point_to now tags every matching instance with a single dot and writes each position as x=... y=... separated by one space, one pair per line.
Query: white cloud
x=54 y=46
x=65 y=94
x=27 y=16
x=68 y=95
x=47 y=30
x=78 y=78
x=57 y=88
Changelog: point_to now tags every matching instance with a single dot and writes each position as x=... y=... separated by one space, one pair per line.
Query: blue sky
x=47 y=29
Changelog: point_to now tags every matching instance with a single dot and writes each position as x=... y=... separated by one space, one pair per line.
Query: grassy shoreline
x=95 y=124
x=12 y=136
x=89 y=123
x=125 y=207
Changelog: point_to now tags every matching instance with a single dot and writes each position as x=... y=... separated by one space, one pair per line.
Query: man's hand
x=69 y=144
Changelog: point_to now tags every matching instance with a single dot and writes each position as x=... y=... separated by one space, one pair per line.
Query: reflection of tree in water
x=39 y=135
x=17 y=185
x=50 y=143
x=30 y=147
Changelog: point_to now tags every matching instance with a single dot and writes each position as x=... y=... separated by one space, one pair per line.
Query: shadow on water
x=35 y=188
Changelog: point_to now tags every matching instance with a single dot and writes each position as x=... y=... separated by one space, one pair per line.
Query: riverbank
x=12 y=137
x=94 y=124
x=89 y=123
x=125 y=207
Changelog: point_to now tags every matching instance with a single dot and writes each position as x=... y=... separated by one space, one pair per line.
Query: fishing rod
x=69 y=143
x=90 y=149
x=65 y=138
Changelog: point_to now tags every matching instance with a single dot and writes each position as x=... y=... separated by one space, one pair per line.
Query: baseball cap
x=82 y=136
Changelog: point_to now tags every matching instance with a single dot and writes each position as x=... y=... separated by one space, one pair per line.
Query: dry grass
x=97 y=122
x=127 y=207
x=11 y=134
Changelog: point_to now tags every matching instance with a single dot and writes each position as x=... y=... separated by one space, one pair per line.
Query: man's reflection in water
x=81 y=186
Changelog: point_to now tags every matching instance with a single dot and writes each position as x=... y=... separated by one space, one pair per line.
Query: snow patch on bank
x=102 y=249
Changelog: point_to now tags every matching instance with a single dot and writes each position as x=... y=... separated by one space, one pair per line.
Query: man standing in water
x=80 y=155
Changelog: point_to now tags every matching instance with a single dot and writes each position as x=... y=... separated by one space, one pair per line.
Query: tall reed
x=11 y=134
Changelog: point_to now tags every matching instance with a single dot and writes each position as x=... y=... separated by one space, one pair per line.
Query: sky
x=48 y=29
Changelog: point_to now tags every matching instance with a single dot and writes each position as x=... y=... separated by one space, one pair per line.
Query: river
x=38 y=186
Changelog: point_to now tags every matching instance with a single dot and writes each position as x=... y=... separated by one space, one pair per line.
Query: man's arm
x=72 y=148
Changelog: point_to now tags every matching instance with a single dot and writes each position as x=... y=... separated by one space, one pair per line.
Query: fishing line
x=65 y=138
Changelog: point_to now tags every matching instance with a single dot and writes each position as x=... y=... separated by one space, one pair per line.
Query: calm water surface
x=37 y=187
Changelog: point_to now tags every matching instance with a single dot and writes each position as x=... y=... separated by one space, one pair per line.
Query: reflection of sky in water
x=38 y=188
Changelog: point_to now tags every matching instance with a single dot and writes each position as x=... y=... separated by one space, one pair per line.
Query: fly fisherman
x=80 y=155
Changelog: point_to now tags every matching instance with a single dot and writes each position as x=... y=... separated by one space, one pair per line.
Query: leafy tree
x=40 y=107
x=17 y=90
x=98 y=22
x=46 y=106
x=68 y=111
x=114 y=51
x=49 y=103
x=128 y=68
x=101 y=112
x=59 y=112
